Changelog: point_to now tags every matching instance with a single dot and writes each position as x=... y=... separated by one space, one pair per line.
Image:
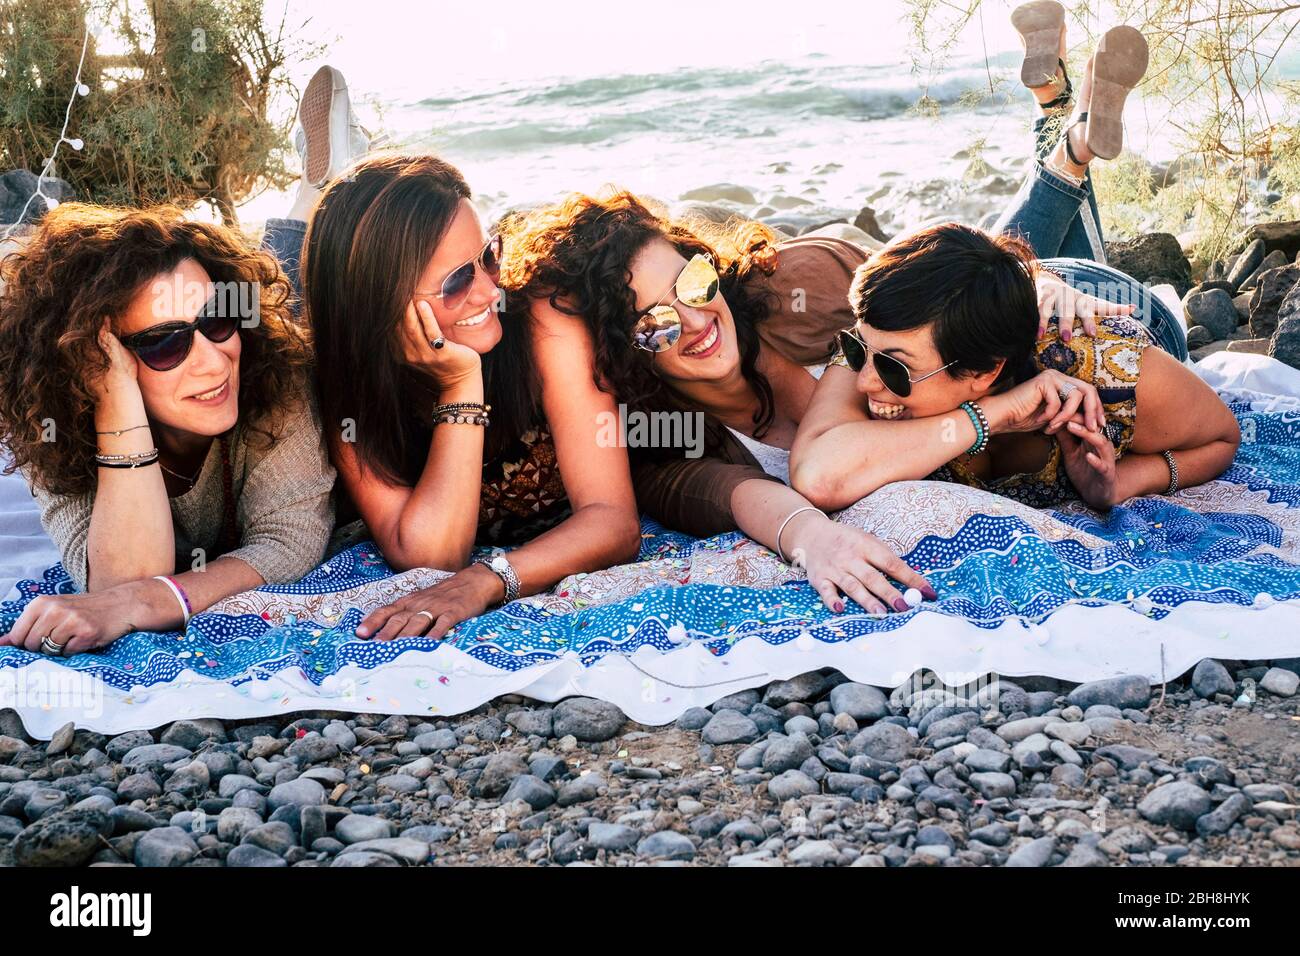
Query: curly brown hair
x=85 y=262
x=577 y=255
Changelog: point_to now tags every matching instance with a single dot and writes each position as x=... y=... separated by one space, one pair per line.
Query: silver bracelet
x=1173 y=472
x=779 y=553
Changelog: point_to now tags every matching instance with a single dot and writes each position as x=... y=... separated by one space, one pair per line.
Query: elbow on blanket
x=819 y=485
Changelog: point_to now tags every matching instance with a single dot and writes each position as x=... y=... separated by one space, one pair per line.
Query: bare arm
x=83 y=622
x=432 y=524
x=840 y=455
x=1178 y=412
x=130 y=534
x=603 y=529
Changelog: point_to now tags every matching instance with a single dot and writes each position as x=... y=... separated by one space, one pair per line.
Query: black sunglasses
x=461 y=279
x=166 y=346
x=895 y=375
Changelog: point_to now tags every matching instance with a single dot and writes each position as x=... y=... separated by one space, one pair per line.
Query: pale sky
x=403 y=46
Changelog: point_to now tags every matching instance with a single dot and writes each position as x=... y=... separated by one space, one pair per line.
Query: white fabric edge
x=1103 y=642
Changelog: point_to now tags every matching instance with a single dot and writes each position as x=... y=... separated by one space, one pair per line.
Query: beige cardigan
x=284 y=510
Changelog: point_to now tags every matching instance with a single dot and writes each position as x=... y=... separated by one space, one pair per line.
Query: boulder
x=18 y=185
x=1283 y=236
x=1151 y=258
x=1285 y=344
x=1247 y=263
x=1214 y=310
x=1270 y=291
x=867 y=222
x=1274 y=260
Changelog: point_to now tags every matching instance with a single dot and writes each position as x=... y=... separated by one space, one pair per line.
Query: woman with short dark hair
x=942 y=376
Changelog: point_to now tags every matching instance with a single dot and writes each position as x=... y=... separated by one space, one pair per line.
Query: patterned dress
x=1111 y=361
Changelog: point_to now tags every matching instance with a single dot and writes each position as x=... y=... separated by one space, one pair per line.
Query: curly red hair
x=85 y=262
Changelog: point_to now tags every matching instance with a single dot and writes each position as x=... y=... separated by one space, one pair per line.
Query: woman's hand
x=1038 y=405
x=1089 y=459
x=839 y=559
x=122 y=376
x=433 y=611
x=1058 y=297
x=78 y=622
x=450 y=365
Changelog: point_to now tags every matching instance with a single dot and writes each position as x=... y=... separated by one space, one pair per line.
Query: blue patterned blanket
x=1151 y=588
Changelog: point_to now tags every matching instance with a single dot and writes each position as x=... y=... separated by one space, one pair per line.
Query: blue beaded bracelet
x=976 y=415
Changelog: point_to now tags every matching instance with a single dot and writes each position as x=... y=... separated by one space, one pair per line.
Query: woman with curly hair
x=152 y=392
x=687 y=317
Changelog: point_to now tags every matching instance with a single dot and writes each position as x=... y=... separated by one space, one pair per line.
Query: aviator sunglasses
x=166 y=346
x=659 y=328
x=896 y=376
x=461 y=279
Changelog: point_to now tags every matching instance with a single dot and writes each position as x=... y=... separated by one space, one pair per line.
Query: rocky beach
x=812 y=771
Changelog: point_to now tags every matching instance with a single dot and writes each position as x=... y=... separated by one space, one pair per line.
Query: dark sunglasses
x=659 y=328
x=166 y=346
x=895 y=375
x=461 y=279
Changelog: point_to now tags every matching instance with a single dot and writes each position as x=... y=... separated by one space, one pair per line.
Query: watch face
x=499 y=563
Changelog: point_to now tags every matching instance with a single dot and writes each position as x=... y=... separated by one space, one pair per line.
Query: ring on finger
x=51 y=647
x=437 y=343
x=427 y=614
x=1065 y=389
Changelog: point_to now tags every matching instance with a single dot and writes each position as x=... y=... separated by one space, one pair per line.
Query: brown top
x=283 y=509
x=810 y=298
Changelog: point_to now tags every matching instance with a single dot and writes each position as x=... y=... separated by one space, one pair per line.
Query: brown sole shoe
x=1039 y=25
x=314 y=116
x=1117 y=67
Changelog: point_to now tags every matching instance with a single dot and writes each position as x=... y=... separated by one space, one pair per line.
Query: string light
x=79 y=89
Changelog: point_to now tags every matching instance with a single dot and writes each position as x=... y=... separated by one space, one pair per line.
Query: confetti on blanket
x=1150 y=588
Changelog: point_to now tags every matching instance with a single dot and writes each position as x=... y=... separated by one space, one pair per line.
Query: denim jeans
x=1061 y=223
x=283 y=239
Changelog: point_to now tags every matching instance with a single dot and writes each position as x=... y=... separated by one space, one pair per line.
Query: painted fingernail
x=878 y=609
x=900 y=605
x=839 y=606
x=929 y=593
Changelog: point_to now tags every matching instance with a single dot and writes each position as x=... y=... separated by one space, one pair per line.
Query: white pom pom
x=677 y=634
x=913 y=597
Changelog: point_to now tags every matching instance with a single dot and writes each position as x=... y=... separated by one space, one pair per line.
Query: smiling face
x=474 y=321
x=201 y=395
x=936 y=395
x=707 y=349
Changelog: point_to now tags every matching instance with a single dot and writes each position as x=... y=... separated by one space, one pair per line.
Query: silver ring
x=438 y=343
x=426 y=614
x=1065 y=389
x=51 y=647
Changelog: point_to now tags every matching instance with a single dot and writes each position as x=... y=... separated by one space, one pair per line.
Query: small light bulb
x=83 y=89
x=50 y=201
x=76 y=144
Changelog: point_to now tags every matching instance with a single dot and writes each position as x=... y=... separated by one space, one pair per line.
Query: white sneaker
x=327 y=136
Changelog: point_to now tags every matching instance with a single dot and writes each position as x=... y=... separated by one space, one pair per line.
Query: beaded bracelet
x=1173 y=472
x=126 y=456
x=452 y=418
x=462 y=407
x=981 y=423
x=137 y=463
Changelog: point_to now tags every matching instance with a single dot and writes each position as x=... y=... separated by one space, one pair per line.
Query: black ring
x=438 y=343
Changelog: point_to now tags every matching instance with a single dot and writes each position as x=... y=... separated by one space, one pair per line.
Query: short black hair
x=975 y=289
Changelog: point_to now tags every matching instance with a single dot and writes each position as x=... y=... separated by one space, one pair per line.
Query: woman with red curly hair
x=153 y=392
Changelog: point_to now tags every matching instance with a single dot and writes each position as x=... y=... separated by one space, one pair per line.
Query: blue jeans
x=1061 y=223
x=283 y=239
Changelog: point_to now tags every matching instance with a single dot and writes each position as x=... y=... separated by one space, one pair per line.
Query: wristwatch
x=496 y=563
